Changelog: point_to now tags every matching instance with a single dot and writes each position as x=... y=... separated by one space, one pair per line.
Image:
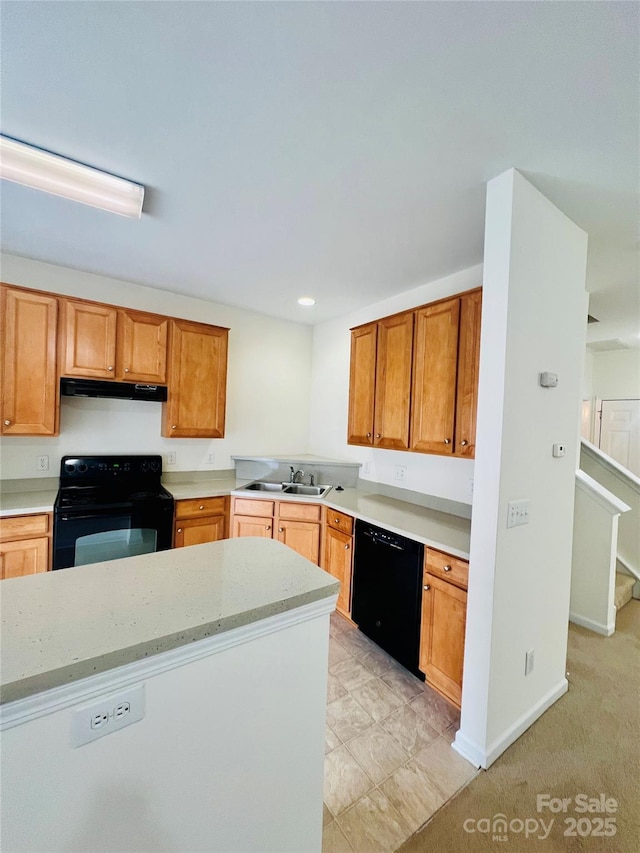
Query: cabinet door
x=29 y=376
x=197 y=381
x=444 y=613
x=302 y=536
x=197 y=531
x=27 y=557
x=393 y=382
x=338 y=561
x=142 y=347
x=89 y=335
x=252 y=525
x=434 y=377
x=468 y=364
x=362 y=384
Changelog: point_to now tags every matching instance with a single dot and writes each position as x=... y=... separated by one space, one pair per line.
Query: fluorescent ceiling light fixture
x=32 y=167
x=306 y=300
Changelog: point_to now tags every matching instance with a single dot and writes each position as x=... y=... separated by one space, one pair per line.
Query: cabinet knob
x=446 y=568
x=173 y=426
x=126 y=370
x=368 y=435
x=110 y=367
x=336 y=520
x=378 y=435
x=201 y=506
x=464 y=442
x=268 y=527
x=447 y=441
x=427 y=587
x=179 y=530
x=346 y=547
x=281 y=530
x=7 y=423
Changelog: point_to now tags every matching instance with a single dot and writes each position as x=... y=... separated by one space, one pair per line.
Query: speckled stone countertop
x=62 y=626
x=443 y=530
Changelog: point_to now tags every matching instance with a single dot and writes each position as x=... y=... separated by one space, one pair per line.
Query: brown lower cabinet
x=444 y=614
x=201 y=520
x=295 y=524
x=337 y=555
x=25 y=545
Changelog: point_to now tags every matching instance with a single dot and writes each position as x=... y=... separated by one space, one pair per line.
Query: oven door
x=81 y=538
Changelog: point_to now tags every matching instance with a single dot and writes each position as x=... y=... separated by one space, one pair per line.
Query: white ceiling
x=334 y=149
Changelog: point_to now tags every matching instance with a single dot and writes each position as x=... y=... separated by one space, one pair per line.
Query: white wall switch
x=401 y=472
x=559 y=450
x=528 y=662
x=518 y=513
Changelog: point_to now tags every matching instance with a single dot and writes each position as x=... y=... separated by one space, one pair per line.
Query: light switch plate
x=518 y=513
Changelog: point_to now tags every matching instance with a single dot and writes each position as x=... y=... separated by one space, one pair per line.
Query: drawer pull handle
x=201 y=506
x=337 y=521
x=427 y=587
x=446 y=569
x=173 y=426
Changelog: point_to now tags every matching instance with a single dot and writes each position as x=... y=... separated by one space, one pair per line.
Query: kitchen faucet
x=293 y=477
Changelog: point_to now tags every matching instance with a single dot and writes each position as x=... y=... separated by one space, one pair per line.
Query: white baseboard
x=592 y=625
x=484 y=758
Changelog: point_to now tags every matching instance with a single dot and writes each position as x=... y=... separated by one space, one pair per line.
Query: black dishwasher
x=387 y=592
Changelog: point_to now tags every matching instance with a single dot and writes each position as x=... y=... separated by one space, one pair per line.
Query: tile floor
x=389 y=764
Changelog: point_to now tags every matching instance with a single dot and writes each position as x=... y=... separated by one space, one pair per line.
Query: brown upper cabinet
x=29 y=377
x=414 y=378
x=197 y=381
x=380 y=385
x=104 y=342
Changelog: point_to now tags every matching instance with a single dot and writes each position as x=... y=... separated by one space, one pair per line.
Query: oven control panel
x=109 y=468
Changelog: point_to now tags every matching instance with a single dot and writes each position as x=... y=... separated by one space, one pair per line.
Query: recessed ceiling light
x=306 y=300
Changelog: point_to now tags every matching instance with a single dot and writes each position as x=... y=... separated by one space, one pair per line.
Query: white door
x=620 y=432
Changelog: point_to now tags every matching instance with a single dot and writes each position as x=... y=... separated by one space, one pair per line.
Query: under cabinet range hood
x=114 y=390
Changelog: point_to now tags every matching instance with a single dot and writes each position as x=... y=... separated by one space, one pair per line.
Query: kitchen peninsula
x=217 y=653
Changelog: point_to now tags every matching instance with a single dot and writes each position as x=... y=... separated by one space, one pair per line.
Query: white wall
x=534 y=305
x=267 y=384
x=616 y=375
x=434 y=475
x=228 y=757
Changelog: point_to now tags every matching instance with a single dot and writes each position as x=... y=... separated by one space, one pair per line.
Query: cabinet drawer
x=249 y=506
x=340 y=521
x=299 y=512
x=192 y=508
x=449 y=568
x=23 y=527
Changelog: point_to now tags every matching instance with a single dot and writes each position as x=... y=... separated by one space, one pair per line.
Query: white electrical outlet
x=171 y=458
x=107 y=714
x=528 y=662
x=42 y=463
x=211 y=458
x=366 y=467
x=401 y=472
x=518 y=513
x=471 y=487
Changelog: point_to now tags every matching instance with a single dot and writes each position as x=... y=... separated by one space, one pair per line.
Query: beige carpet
x=587 y=743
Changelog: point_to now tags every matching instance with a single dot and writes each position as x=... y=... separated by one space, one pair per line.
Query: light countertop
x=62 y=626
x=438 y=529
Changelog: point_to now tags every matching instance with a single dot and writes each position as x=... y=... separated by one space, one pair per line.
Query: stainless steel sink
x=299 y=489
x=265 y=487
x=287 y=488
